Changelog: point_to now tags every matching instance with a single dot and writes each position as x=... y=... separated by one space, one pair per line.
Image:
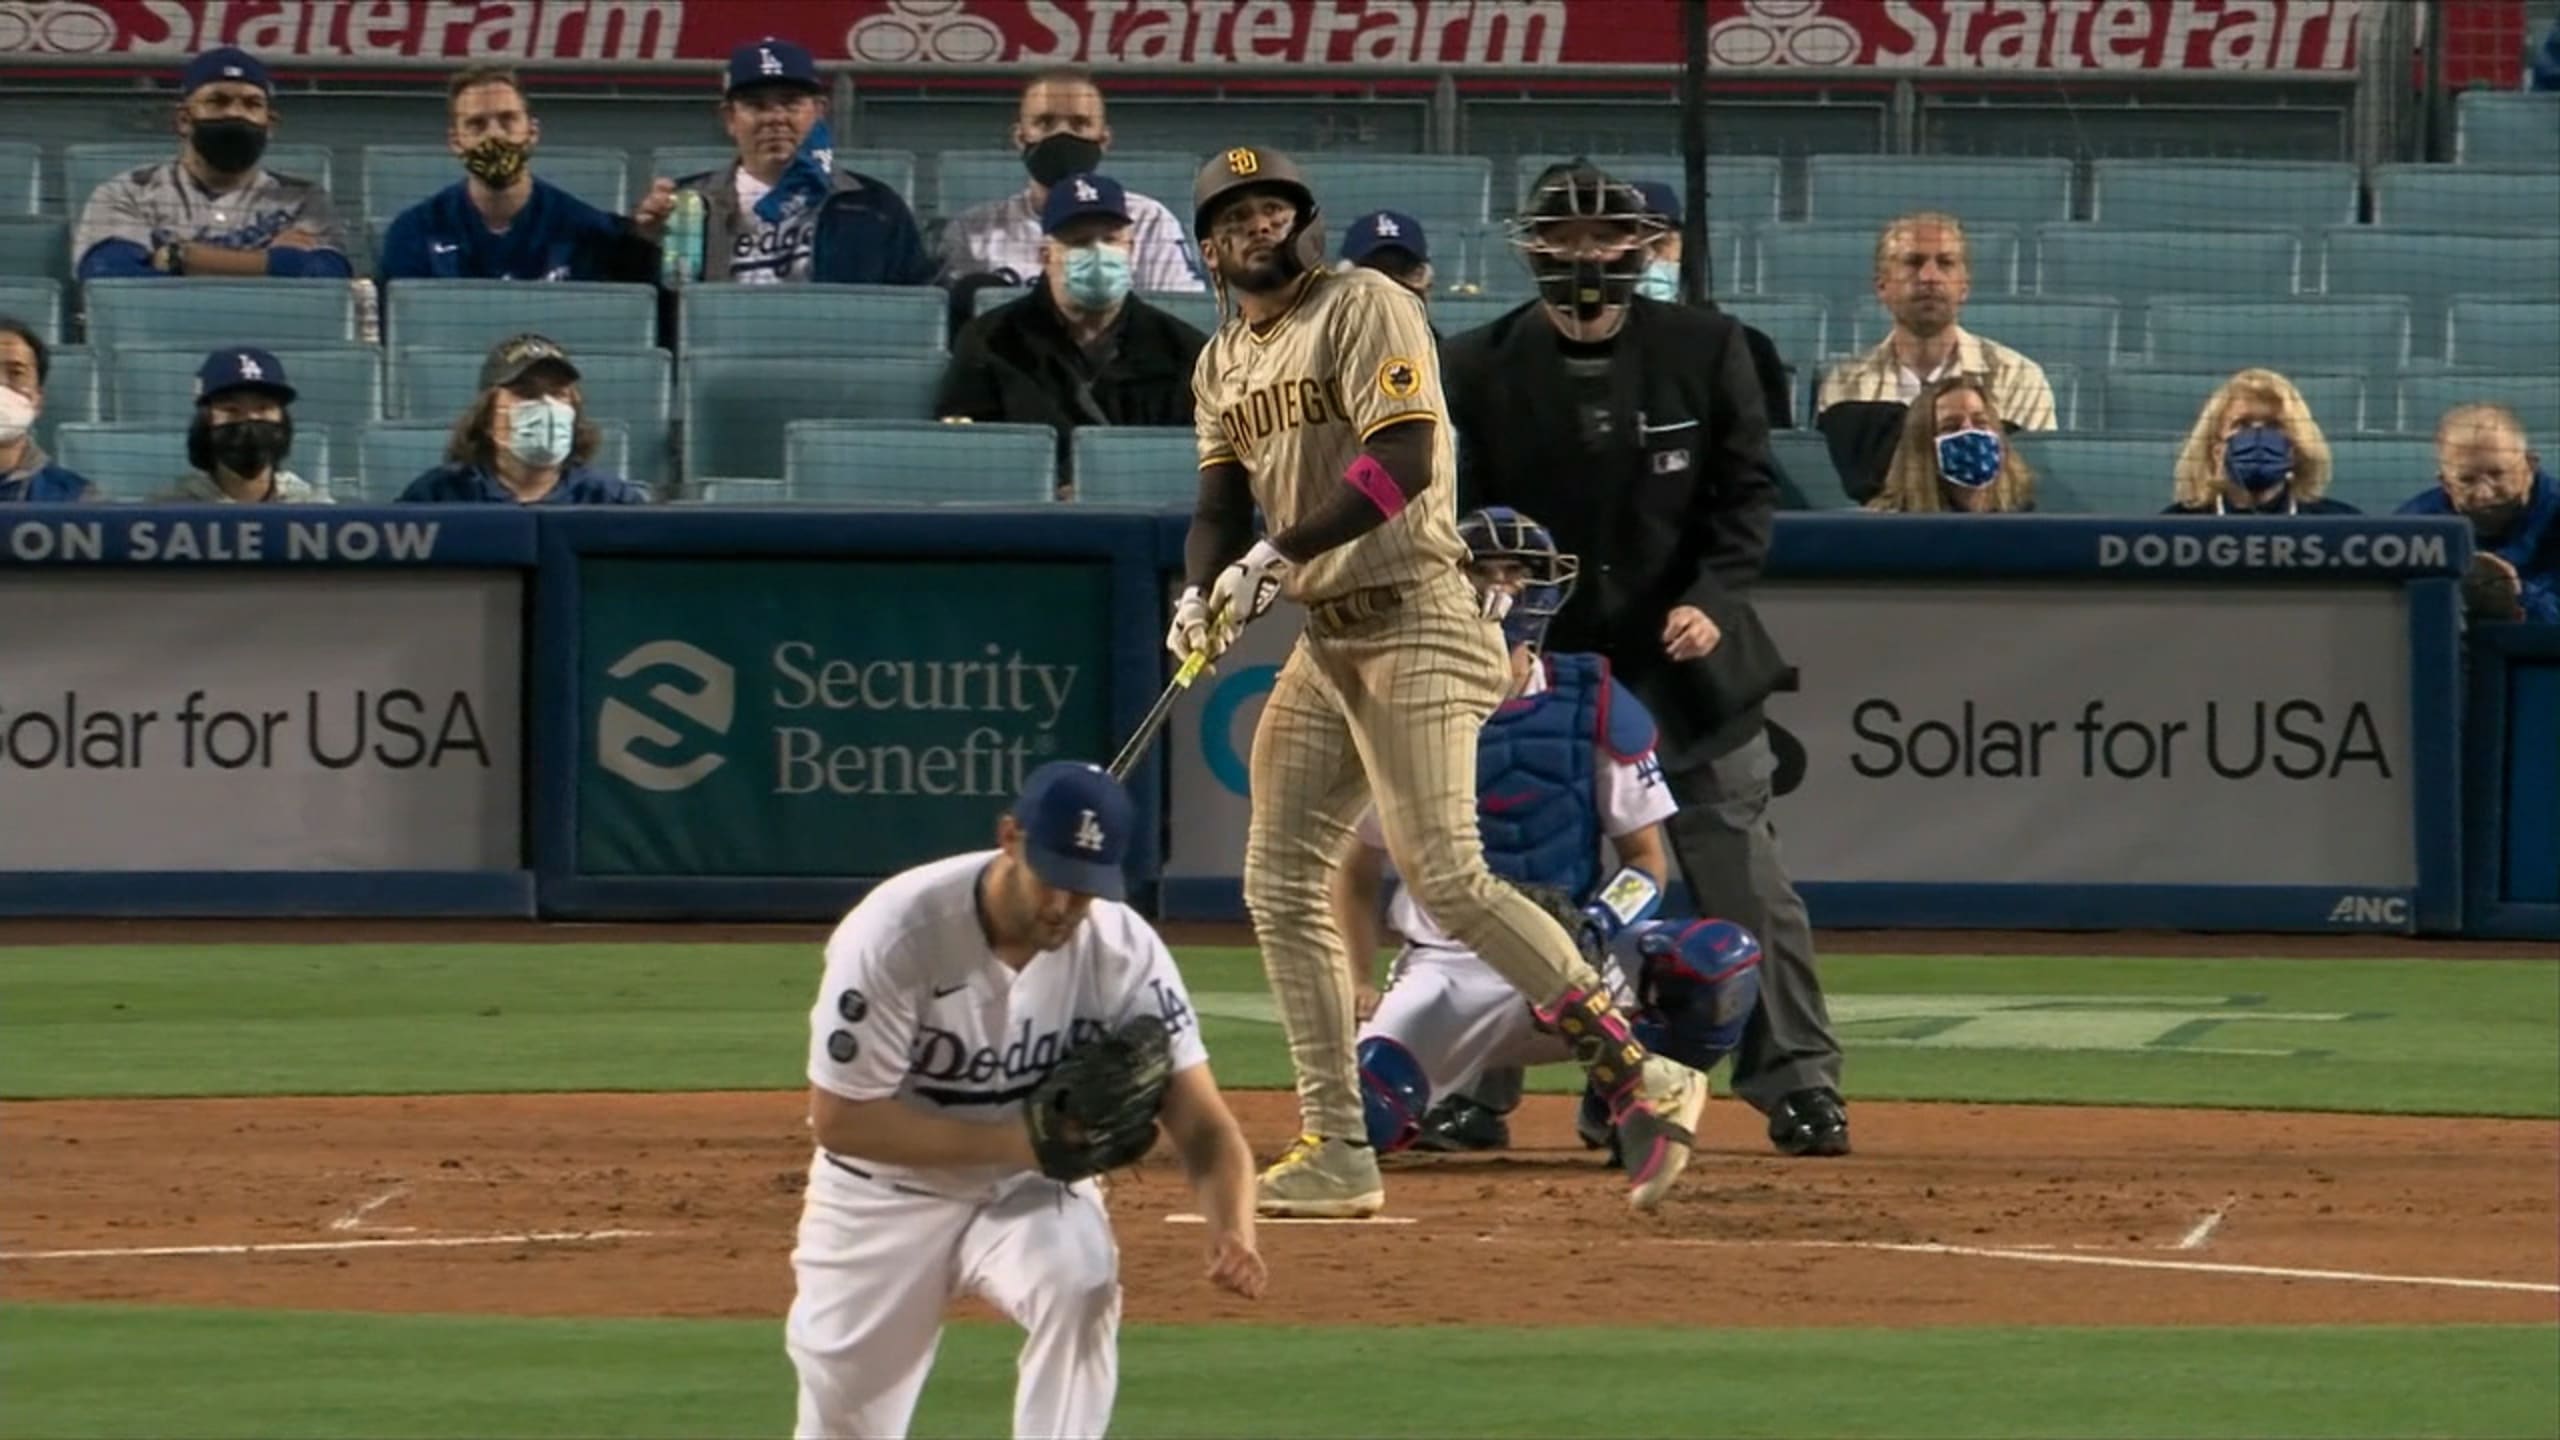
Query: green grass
x=71 y=1371
x=2434 y=1036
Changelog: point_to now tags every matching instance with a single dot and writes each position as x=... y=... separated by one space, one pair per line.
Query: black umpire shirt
x=1020 y=363
x=1647 y=456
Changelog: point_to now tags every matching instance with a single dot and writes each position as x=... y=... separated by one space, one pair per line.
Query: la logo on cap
x=249 y=369
x=769 y=62
x=1089 y=835
x=1085 y=191
x=1387 y=226
x=232 y=72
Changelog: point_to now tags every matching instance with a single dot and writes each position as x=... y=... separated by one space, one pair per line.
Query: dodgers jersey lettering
x=771 y=254
x=915 y=1007
x=1294 y=402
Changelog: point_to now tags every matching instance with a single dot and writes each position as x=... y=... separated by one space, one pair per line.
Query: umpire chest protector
x=1537 y=787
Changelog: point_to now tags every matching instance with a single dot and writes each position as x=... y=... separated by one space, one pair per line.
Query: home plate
x=1184 y=1217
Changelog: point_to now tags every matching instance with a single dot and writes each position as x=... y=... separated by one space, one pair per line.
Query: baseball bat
x=1157 y=714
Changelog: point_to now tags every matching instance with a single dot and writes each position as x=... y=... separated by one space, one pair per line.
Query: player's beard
x=1272 y=269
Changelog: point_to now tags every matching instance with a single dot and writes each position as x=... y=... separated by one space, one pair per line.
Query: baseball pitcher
x=1319 y=402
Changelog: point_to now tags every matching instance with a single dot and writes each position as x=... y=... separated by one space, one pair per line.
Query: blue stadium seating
x=476 y=314
x=1794 y=323
x=2502 y=332
x=1447 y=193
x=2507 y=127
x=2105 y=473
x=2145 y=399
x=735 y=405
x=35 y=249
x=1806 y=458
x=2068 y=384
x=399 y=176
x=1455 y=315
x=392 y=453
x=1198 y=308
x=2468 y=199
x=1741 y=189
x=2431 y=268
x=632 y=388
x=2375 y=473
x=142 y=462
x=741 y=490
x=2535 y=398
x=265 y=313
x=2130 y=266
x=2015 y=190
x=2310 y=332
x=815 y=319
x=336 y=388
x=21 y=177
x=920 y=462
x=87 y=166
x=2193 y=193
x=70 y=392
x=1156 y=466
x=37 y=302
x=2075 y=330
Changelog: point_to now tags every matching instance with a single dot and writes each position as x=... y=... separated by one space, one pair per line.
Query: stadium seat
x=1794 y=323
x=1445 y=192
x=631 y=388
x=37 y=302
x=2131 y=266
x=140 y=462
x=1455 y=315
x=2506 y=127
x=2067 y=385
x=393 y=453
x=2075 y=330
x=2199 y=194
x=2102 y=473
x=399 y=176
x=735 y=404
x=2308 y=332
x=2145 y=399
x=1197 y=308
x=87 y=166
x=919 y=462
x=476 y=314
x=1741 y=189
x=1806 y=458
x=2431 y=268
x=2374 y=473
x=2015 y=190
x=2534 y=398
x=1157 y=466
x=337 y=388
x=739 y=490
x=70 y=393
x=988 y=297
x=815 y=319
x=265 y=313
x=2500 y=332
x=2468 y=199
x=21 y=178
x=35 y=249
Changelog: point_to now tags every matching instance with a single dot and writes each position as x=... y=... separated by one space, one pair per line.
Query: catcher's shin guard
x=1394 y=1093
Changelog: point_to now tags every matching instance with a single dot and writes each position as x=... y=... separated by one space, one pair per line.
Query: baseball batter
x=954 y=994
x=1319 y=402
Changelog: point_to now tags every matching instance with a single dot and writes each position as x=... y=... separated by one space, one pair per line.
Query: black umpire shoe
x=1810 y=1122
x=1459 y=1124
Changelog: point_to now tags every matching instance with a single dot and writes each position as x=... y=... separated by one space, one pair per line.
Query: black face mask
x=1586 y=288
x=2492 y=523
x=229 y=146
x=242 y=447
x=1060 y=156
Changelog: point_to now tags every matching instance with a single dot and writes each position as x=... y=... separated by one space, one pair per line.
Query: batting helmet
x=1498 y=533
x=1231 y=173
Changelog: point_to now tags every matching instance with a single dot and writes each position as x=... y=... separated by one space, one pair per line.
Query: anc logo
x=633 y=743
x=1399 y=378
x=1243 y=162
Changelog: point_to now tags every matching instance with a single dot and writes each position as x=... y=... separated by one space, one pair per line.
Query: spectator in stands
x=213 y=210
x=1955 y=456
x=525 y=440
x=1391 y=243
x=2545 y=71
x=26 y=472
x=1662 y=262
x=2255 y=450
x=2486 y=474
x=1080 y=349
x=1923 y=276
x=1661 y=282
x=242 y=433
x=500 y=223
x=784 y=211
x=1061 y=132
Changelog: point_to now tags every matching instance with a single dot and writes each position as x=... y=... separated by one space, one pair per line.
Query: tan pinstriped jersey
x=1295 y=401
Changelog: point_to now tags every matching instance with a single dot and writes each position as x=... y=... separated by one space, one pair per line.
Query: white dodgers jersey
x=916 y=1007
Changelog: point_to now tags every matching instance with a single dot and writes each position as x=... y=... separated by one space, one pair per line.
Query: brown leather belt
x=1344 y=613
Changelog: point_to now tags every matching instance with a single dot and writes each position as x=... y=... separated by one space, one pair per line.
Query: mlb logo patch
x=1670 y=462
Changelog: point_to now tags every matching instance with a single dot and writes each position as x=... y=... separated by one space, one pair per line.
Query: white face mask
x=540 y=432
x=17 y=413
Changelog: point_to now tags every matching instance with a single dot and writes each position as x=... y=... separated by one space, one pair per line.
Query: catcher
x=994 y=1031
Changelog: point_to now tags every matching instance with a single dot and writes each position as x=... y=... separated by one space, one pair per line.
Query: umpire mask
x=1584 y=237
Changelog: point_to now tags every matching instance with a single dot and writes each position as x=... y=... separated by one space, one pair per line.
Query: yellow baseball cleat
x=1321 y=1179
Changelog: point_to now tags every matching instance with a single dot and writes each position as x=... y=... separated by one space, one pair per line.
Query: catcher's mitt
x=1096 y=1108
x=1558 y=903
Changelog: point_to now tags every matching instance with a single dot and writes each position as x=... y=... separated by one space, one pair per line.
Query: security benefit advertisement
x=2097 y=734
x=155 y=721
x=823 y=718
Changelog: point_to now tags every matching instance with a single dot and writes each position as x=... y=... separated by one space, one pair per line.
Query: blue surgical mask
x=2258 y=458
x=1097 y=276
x=1970 y=458
x=540 y=432
x=1661 y=280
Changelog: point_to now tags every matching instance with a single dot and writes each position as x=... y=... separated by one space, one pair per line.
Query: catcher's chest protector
x=1537 y=801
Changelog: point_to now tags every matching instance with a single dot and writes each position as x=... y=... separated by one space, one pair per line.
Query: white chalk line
x=2203 y=1229
x=354 y=1219
x=1184 y=1217
x=297 y=1247
x=2128 y=1262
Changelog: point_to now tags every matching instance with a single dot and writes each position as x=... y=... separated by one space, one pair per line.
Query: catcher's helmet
x=1499 y=532
x=1587 y=277
x=1231 y=173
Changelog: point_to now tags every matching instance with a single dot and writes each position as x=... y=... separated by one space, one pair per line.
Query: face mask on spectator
x=2258 y=458
x=17 y=412
x=1661 y=280
x=229 y=146
x=1059 y=156
x=541 y=431
x=1970 y=458
x=2489 y=523
x=247 y=447
x=497 y=162
x=1097 y=276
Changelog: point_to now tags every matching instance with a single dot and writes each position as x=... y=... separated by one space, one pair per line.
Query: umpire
x=1635 y=430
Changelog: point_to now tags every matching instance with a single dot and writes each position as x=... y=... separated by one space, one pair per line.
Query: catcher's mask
x=1498 y=534
x=1584 y=237
x=1230 y=175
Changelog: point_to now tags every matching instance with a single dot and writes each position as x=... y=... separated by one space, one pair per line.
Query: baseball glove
x=1096 y=1108
x=1558 y=903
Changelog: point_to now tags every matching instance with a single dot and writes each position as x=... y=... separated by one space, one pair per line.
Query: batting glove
x=1245 y=589
x=1190 y=630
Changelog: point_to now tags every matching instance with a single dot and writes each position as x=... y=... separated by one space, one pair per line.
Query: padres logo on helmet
x=1241 y=161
